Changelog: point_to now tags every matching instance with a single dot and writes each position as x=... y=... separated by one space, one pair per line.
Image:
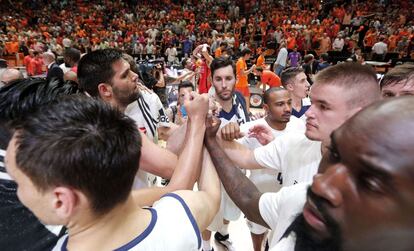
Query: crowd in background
x=174 y=28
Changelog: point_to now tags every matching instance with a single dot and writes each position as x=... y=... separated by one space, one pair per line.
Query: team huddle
x=331 y=174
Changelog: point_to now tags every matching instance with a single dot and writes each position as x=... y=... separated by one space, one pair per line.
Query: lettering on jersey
x=240 y=121
x=296 y=182
x=280 y=178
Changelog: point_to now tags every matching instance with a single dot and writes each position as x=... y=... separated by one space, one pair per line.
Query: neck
x=226 y=105
x=296 y=103
x=324 y=146
x=276 y=125
x=120 y=107
x=111 y=230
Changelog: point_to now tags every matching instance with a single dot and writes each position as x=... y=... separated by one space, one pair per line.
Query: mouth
x=310 y=125
x=286 y=115
x=314 y=218
x=225 y=93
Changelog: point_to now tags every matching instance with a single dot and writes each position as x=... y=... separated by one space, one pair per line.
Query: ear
x=65 y=202
x=105 y=90
x=289 y=87
x=266 y=108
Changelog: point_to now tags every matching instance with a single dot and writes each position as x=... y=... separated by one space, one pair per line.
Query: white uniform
x=306 y=103
x=228 y=210
x=267 y=180
x=279 y=210
x=148 y=114
x=172 y=228
x=294 y=155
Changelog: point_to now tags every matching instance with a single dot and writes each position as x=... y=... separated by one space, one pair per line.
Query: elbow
x=168 y=171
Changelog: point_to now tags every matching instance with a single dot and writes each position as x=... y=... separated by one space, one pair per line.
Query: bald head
x=48 y=57
x=367 y=178
x=10 y=75
x=394 y=139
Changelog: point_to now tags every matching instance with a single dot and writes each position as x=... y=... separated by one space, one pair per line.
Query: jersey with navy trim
x=305 y=103
x=238 y=112
x=228 y=209
x=172 y=228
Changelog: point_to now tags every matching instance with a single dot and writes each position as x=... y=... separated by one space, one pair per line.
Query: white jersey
x=266 y=180
x=148 y=113
x=172 y=228
x=228 y=210
x=294 y=155
x=306 y=103
x=237 y=114
x=279 y=210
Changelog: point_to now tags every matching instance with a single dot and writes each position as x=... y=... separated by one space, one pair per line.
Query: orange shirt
x=241 y=79
x=370 y=39
x=260 y=62
x=270 y=78
x=291 y=43
x=218 y=52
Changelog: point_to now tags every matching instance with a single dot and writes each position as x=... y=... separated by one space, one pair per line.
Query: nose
x=134 y=76
x=287 y=108
x=309 y=113
x=329 y=184
x=224 y=84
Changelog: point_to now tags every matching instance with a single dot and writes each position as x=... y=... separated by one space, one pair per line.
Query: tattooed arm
x=240 y=189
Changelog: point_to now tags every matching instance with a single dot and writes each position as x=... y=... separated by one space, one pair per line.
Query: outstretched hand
x=262 y=133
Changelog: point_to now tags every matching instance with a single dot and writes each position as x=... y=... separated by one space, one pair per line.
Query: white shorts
x=256 y=228
x=228 y=211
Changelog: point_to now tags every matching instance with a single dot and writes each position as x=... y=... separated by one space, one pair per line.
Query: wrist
x=210 y=141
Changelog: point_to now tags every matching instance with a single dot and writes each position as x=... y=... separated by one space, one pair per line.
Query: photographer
x=160 y=87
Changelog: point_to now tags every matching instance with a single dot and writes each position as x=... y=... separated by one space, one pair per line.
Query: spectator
x=53 y=69
x=379 y=50
x=281 y=59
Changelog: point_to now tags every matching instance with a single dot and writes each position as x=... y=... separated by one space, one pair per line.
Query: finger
x=225 y=133
x=232 y=132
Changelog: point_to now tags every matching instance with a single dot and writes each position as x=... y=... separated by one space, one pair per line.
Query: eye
x=371 y=184
x=323 y=107
x=388 y=94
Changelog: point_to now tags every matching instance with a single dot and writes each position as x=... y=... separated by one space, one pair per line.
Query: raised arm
x=156 y=160
x=188 y=164
x=205 y=203
x=240 y=189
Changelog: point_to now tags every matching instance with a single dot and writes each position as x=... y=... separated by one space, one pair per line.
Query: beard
x=224 y=98
x=124 y=98
x=306 y=238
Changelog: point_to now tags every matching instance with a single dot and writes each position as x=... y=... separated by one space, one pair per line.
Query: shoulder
x=296 y=124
